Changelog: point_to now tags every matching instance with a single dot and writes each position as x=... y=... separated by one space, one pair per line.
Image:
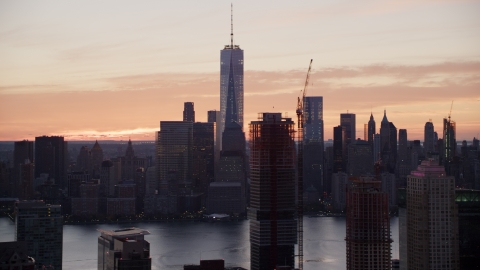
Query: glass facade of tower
x=313 y=144
x=174 y=155
x=231 y=85
x=40 y=225
x=273 y=228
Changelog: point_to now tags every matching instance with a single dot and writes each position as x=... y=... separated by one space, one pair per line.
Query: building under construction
x=272 y=213
x=368 y=226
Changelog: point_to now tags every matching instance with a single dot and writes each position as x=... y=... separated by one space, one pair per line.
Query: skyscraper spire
x=385 y=120
x=231 y=25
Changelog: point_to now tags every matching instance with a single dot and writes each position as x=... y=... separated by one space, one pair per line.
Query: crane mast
x=300 y=112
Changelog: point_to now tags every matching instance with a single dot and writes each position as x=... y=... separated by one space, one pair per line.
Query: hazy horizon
x=116 y=69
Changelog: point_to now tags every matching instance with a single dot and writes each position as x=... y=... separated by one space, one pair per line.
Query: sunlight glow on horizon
x=91 y=70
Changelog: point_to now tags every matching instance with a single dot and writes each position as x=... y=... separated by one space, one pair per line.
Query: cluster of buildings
x=209 y=167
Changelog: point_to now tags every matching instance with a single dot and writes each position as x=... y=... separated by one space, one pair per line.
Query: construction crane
x=301 y=121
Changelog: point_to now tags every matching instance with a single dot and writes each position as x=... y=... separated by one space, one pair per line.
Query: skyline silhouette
x=106 y=71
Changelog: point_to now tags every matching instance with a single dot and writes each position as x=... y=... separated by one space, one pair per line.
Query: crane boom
x=307 y=80
x=300 y=110
x=301 y=121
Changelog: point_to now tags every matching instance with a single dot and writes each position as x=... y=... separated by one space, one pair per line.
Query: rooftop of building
x=35 y=204
x=225 y=184
x=271 y=117
x=429 y=168
x=124 y=233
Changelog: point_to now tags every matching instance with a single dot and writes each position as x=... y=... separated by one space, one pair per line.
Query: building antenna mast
x=231 y=25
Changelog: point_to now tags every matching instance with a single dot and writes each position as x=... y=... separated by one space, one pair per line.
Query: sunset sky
x=115 y=69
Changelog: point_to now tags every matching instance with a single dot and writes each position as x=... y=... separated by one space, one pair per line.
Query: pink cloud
x=411 y=94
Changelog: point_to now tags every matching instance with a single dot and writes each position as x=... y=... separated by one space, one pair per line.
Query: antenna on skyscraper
x=231 y=25
x=450 y=113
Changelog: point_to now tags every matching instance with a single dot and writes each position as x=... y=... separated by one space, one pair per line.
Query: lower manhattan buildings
x=40 y=225
x=432 y=219
x=272 y=196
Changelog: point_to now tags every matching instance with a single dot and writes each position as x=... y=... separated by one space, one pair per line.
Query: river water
x=177 y=243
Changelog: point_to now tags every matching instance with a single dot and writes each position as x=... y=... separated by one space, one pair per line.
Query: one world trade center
x=231 y=83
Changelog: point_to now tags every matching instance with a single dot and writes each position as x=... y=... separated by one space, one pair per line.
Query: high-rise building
x=22 y=151
x=214 y=117
x=273 y=228
x=232 y=165
x=339 y=149
x=84 y=160
x=231 y=175
x=402 y=145
x=174 y=158
x=87 y=204
x=203 y=155
x=25 y=177
x=365 y=132
x=97 y=158
x=130 y=163
x=449 y=142
x=360 y=158
x=51 y=157
x=347 y=120
x=389 y=186
x=388 y=143
x=23 y=171
x=340 y=183
x=376 y=147
x=188 y=112
x=429 y=139
x=40 y=225
x=432 y=215
x=124 y=249
x=404 y=160
x=371 y=130
x=468 y=204
x=110 y=175
x=313 y=164
x=368 y=226
x=231 y=83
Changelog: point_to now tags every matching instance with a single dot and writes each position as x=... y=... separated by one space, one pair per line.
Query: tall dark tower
x=339 y=149
x=203 y=155
x=273 y=227
x=51 y=158
x=22 y=151
x=22 y=170
x=97 y=158
x=449 y=142
x=429 y=139
x=188 y=112
x=371 y=130
x=347 y=120
x=388 y=143
x=313 y=166
x=231 y=83
x=404 y=160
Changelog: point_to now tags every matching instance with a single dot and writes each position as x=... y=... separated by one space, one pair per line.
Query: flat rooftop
x=125 y=232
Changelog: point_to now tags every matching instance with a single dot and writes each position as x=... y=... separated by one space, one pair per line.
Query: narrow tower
x=231 y=83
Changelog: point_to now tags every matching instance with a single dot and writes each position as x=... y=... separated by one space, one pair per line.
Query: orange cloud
x=134 y=105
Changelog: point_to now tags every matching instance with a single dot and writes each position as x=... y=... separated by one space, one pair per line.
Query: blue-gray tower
x=231 y=83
